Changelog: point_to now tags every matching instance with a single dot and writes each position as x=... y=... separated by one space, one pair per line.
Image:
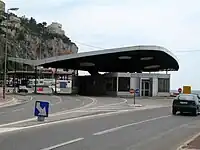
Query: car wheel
x=173 y=111
x=195 y=112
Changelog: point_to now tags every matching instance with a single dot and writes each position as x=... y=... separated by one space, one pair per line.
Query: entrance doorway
x=146 y=87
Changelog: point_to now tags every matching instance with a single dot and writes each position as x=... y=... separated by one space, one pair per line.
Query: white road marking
x=119 y=103
x=66 y=120
x=186 y=142
x=63 y=144
x=4 y=130
x=59 y=98
x=128 y=125
x=78 y=100
x=2 y=113
x=31 y=98
x=15 y=110
x=83 y=103
x=107 y=105
x=94 y=101
x=17 y=122
x=144 y=142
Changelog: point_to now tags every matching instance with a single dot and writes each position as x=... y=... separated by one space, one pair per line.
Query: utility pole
x=6 y=51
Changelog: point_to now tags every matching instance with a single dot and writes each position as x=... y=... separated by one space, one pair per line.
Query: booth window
x=163 y=85
x=124 y=84
x=111 y=84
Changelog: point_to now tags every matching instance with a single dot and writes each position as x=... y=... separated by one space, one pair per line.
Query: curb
x=14 y=102
x=20 y=103
x=8 y=102
x=187 y=142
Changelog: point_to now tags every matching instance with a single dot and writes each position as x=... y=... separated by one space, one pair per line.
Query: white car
x=22 y=89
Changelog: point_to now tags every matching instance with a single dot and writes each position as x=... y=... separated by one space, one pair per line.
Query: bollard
x=40 y=118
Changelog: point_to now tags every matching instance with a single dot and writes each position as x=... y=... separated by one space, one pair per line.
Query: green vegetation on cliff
x=31 y=40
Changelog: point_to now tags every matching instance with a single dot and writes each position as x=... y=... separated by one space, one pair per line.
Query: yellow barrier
x=187 y=89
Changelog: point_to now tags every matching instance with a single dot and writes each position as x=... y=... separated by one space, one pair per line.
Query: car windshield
x=186 y=97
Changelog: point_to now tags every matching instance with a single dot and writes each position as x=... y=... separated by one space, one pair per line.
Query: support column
x=55 y=77
x=35 y=80
x=15 y=78
x=155 y=86
x=117 y=84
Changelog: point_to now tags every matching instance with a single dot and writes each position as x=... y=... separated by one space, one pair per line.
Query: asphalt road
x=154 y=129
x=57 y=104
x=25 y=111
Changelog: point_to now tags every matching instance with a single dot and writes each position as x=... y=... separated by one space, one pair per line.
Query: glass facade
x=163 y=85
x=111 y=84
x=124 y=84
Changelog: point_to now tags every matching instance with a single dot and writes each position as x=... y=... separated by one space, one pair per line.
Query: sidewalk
x=8 y=100
x=12 y=100
x=192 y=144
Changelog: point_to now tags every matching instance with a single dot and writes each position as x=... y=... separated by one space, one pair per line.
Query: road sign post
x=41 y=110
x=39 y=118
x=132 y=91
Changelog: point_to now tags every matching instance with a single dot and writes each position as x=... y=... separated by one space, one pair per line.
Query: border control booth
x=149 y=84
x=124 y=68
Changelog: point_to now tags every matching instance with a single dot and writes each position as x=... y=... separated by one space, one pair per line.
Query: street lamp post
x=5 y=52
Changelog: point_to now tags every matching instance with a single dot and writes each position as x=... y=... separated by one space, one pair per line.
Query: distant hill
x=32 y=40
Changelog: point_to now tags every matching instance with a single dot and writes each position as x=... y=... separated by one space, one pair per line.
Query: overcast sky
x=174 y=24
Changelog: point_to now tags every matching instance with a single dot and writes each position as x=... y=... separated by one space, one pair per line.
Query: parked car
x=186 y=103
x=22 y=89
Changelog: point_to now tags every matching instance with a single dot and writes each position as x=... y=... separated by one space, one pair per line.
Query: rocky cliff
x=32 y=40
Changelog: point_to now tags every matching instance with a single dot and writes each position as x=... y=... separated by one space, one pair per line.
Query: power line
x=187 y=51
x=88 y=45
x=96 y=47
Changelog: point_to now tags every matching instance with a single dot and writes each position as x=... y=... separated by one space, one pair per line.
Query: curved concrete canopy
x=125 y=59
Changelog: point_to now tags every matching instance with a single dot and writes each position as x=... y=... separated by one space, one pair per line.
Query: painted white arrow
x=42 y=111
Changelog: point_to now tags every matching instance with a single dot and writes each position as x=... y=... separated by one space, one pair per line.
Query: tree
x=44 y=24
x=21 y=36
x=32 y=21
x=2 y=18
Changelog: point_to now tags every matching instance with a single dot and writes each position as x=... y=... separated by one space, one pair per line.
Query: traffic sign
x=179 y=90
x=132 y=91
x=137 y=91
x=187 y=89
x=41 y=109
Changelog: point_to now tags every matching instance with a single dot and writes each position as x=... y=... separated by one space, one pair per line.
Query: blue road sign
x=41 y=109
x=137 y=91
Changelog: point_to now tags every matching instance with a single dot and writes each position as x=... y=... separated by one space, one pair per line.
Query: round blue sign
x=137 y=91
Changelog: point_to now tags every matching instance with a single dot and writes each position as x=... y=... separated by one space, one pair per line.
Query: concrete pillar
x=35 y=79
x=155 y=86
x=117 y=84
x=134 y=83
x=55 y=77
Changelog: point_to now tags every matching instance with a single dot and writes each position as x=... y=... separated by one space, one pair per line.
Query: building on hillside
x=14 y=23
x=56 y=28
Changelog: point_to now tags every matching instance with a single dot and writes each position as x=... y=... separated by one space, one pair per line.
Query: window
x=124 y=84
x=186 y=97
x=111 y=84
x=163 y=85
